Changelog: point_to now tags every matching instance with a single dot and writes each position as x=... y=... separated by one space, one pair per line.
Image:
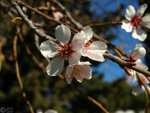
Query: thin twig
x=30 y=53
x=123 y=64
x=18 y=74
x=106 y=23
x=30 y=23
x=44 y=15
x=77 y=24
x=88 y=97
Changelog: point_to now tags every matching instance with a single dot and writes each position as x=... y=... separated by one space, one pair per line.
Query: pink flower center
x=131 y=59
x=136 y=21
x=86 y=45
x=65 y=50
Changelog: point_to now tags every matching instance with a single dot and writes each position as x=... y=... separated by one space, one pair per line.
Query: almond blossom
x=135 y=56
x=79 y=71
x=93 y=50
x=60 y=52
x=134 y=21
x=137 y=89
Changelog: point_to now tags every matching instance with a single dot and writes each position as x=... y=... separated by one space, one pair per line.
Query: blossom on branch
x=79 y=71
x=135 y=56
x=93 y=50
x=137 y=89
x=60 y=52
x=134 y=21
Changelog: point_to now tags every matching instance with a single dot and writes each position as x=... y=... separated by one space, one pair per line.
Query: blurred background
x=110 y=85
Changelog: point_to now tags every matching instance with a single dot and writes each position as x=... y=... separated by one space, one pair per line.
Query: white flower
x=79 y=71
x=93 y=50
x=135 y=56
x=134 y=21
x=137 y=89
x=64 y=50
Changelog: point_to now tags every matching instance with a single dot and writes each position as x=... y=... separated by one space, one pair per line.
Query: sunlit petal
x=138 y=52
x=126 y=25
x=88 y=31
x=130 y=12
x=48 y=49
x=139 y=34
x=96 y=55
x=78 y=41
x=146 y=21
x=75 y=57
x=55 y=66
x=63 y=33
x=141 y=10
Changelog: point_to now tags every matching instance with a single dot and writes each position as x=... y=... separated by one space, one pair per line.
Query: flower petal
x=139 y=34
x=63 y=33
x=69 y=70
x=48 y=49
x=141 y=10
x=75 y=58
x=86 y=70
x=130 y=12
x=78 y=41
x=126 y=25
x=55 y=66
x=78 y=77
x=98 y=45
x=95 y=51
x=141 y=65
x=138 y=52
x=96 y=55
x=146 y=21
x=69 y=79
x=88 y=31
x=136 y=91
x=133 y=78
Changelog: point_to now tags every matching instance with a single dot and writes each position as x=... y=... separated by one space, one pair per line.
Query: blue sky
x=122 y=38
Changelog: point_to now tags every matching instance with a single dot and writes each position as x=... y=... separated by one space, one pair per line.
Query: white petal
x=68 y=79
x=141 y=65
x=138 y=52
x=88 y=31
x=134 y=78
x=136 y=91
x=69 y=70
x=146 y=21
x=78 y=77
x=63 y=33
x=55 y=66
x=78 y=41
x=96 y=55
x=126 y=25
x=141 y=10
x=139 y=34
x=98 y=45
x=86 y=71
x=130 y=12
x=48 y=49
x=75 y=57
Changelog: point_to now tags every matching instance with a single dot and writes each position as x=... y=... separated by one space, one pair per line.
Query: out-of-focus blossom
x=93 y=50
x=78 y=71
x=56 y=14
x=134 y=21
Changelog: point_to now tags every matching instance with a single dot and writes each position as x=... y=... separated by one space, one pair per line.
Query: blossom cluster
x=81 y=45
x=134 y=21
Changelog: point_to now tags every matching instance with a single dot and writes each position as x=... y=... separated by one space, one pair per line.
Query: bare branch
x=30 y=23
